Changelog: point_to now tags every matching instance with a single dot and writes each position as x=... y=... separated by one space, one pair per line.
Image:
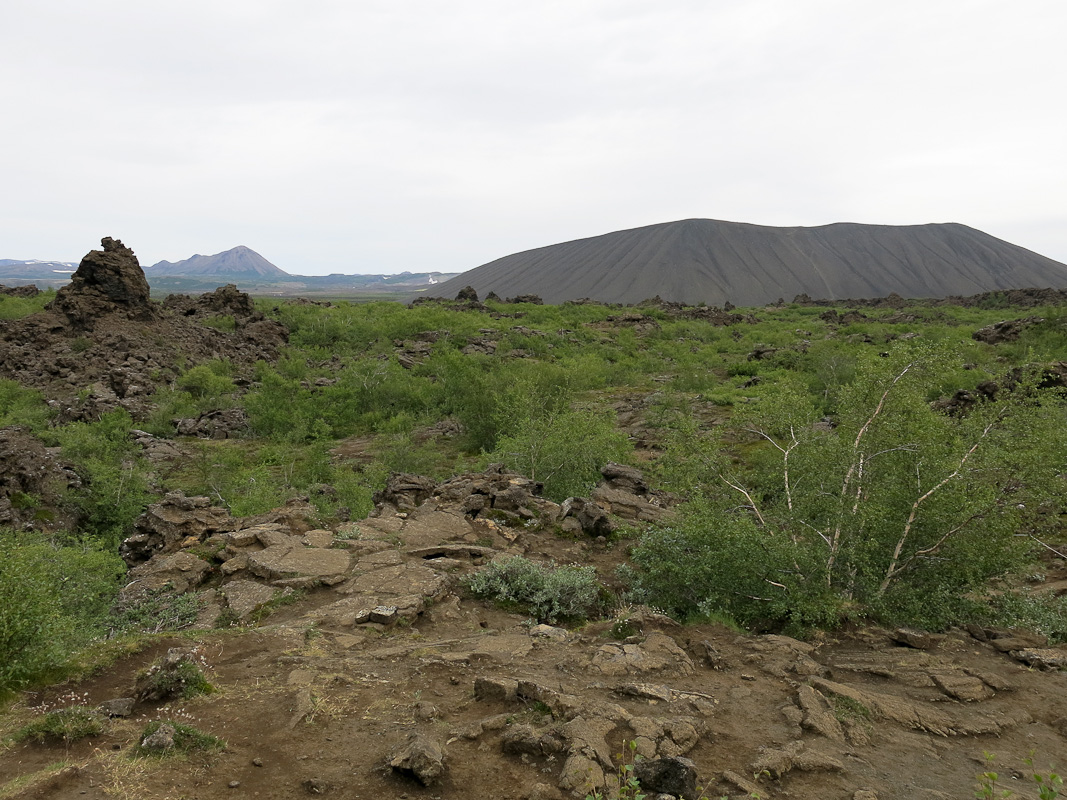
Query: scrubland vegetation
x=821 y=484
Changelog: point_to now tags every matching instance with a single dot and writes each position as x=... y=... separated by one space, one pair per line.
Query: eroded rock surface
x=107 y=281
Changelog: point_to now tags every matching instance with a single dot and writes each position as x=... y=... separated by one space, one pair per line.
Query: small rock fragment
x=315 y=786
x=1048 y=658
x=501 y=690
x=920 y=640
x=675 y=776
x=384 y=615
x=159 y=740
x=118 y=707
x=744 y=784
x=549 y=632
x=419 y=758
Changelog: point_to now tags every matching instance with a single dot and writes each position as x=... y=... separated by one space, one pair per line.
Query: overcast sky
x=363 y=136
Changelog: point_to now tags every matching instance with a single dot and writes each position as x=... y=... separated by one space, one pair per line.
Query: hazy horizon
x=379 y=137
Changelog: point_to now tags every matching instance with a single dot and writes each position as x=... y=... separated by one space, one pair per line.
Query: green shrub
x=187 y=739
x=205 y=384
x=549 y=593
x=1044 y=613
x=547 y=441
x=63 y=725
x=155 y=612
x=115 y=478
x=900 y=512
x=53 y=600
x=221 y=322
x=177 y=675
x=20 y=307
x=21 y=406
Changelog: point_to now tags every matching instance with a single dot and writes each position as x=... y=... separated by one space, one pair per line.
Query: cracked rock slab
x=286 y=561
x=244 y=597
x=403 y=579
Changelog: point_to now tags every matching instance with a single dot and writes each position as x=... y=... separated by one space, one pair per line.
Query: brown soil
x=310 y=708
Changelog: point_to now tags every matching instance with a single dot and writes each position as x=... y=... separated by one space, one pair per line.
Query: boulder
x=107 y=281
x=405 y=491
x=245 y=597
x=1005 y=331
x=160 y=740
x=227 y=300
x=291 y=561
x=420 y=758
x=176 y=572
x=590 y=516
x=675 y=776
x=628 y=479
x=118 y=707
x=20 y=291
x=166 y=679
x=467 y=295
x=224 y=423
x=628 y=504
x=167 y=524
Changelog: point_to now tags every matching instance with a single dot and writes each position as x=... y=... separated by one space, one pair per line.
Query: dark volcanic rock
x=675 y=776
x=166 y=524
x=20 y=291
x=1006 y=331
x=467 y=294
x=226 y=299
x=32 y=482
x=102 y=344
x=107 y=281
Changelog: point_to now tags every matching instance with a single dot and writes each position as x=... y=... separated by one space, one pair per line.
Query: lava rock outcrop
x=107 y=281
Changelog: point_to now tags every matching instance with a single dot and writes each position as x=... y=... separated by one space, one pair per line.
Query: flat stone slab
x=182 y=570
x=317 y=538
x=503 y=647
x=434 y=528
x=244 y=597
x=404 y=579
x=657 y=652
x=384 y=558
x=355 y=610
x=287 y=561
x=373 y=527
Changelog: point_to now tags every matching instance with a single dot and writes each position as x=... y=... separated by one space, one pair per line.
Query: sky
x=376 y=137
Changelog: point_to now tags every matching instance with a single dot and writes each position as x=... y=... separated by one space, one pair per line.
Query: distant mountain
x=400 y=286
x=42 y=274
x=242 y=266
x=704 y=260
x=240 y=262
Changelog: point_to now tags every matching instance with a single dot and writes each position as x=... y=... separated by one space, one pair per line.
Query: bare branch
x=819 y=533
x=1046 y=546
x=785 y=451
x=857 y=467
x=892 y=570
x=752 y=503
x=770 y=439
